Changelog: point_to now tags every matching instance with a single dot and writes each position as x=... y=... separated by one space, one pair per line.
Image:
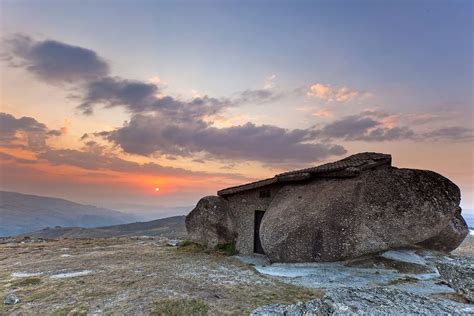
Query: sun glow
x=157 y=189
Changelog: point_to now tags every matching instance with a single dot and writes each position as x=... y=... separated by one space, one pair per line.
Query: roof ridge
x=371 y=159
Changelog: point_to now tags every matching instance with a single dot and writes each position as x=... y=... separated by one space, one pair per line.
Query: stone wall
x=242 y=207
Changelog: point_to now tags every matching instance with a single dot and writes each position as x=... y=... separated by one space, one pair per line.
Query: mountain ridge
x=173 y=227
x=22 y=213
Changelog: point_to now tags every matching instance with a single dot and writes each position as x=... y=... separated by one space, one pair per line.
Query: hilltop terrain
x=172 y=227
x=145 y=276
x=22 y=213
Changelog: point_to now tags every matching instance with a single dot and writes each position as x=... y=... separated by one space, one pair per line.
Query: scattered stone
x=173 y=243
x=11 y=299
x=362 y=301
x=459 y=274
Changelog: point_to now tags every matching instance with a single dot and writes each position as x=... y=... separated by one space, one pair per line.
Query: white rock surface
x=71 y=274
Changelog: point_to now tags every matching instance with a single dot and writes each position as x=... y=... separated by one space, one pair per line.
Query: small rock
x=11 y=299
x=173 y=243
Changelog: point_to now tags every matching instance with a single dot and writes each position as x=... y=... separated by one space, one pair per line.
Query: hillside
x=22 y=213
x=171 y=227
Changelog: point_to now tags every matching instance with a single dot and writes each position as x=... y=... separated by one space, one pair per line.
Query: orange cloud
x=67 y=125
x=323 y=113
x=334 y=94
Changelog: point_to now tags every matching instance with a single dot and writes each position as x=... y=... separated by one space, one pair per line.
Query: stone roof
x=353 y=164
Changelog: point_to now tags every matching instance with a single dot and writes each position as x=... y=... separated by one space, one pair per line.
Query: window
x=265 y=194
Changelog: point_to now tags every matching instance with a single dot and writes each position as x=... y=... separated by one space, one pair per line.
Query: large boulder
x=210 y=222
x=450 y=237
x=330 y=219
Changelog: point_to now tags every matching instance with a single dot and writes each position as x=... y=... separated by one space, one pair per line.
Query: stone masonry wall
x=242 y=207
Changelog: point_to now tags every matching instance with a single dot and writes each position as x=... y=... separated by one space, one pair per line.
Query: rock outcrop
x=362 y=301
x=210 y=222
x=459 y=274
x=336 y=219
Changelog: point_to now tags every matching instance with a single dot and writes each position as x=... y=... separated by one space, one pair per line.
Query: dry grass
x=26 y=282
x=132 y=276
x=178 y=307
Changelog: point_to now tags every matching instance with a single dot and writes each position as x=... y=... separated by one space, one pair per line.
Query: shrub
x=190 y=246
x=227 y=249
x=186 y=242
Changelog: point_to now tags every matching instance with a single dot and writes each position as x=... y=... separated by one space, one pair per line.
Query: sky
x=103 y=102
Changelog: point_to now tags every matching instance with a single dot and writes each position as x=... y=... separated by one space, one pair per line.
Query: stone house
x=315 y=214
x=248 y=202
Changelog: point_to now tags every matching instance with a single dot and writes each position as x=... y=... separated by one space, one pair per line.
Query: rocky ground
x=143 y=275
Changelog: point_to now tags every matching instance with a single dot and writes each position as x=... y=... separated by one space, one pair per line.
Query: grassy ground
x=134 y=276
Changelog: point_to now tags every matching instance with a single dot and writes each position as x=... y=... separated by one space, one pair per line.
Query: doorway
x=257 y=244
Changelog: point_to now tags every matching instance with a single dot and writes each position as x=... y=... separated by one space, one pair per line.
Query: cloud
x=454 y=133
x=92 y=156
x=138 y=96
x=24 y=132
x=367 y=126
x=156 y=80
x=54 y=62
x=257 y=96
x=269 y=82
x=323 y=113
x=95 y=157
x=146 y=135
x=334 y=94
x=10 y=158
x=150 y=134
x=164 y=125
x=260 y=96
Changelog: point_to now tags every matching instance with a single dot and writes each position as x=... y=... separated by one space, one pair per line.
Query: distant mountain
x=22 y=213
x=151 y=212
x=172 y=227
x=468 y=217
